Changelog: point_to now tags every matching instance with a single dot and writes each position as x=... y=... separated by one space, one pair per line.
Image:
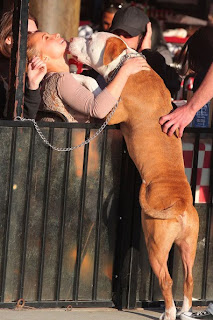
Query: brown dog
x=168 y=215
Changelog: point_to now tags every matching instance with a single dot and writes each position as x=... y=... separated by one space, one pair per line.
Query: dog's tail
x=171 y=212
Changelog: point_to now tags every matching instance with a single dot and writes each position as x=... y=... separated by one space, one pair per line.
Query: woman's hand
x=130 y=67
x=179 y=118
x=134 y=65
x=36 y=71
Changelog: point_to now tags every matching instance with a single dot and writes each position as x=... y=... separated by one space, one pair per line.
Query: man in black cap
x=132 y=25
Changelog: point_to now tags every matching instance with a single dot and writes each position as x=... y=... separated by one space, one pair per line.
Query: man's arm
x=183 y=115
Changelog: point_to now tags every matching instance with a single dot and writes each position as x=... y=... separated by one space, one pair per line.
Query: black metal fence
x=70 y=228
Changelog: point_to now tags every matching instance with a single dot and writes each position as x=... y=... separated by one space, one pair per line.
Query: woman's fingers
x=137 y=64
x=37 y=63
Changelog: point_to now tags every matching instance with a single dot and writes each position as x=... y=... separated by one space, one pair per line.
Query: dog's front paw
x=164 y=316
x=168 y=314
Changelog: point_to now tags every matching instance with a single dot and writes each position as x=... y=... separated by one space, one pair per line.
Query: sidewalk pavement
x=80 y=314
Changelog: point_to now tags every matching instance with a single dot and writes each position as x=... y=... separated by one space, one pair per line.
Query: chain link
x=103 y=126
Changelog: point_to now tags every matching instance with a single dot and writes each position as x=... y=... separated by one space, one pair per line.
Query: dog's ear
x=114 y=47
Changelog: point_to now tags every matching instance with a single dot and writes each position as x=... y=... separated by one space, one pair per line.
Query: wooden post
x=56 y=16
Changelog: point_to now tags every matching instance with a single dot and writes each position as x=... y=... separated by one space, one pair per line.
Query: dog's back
x=158 y=157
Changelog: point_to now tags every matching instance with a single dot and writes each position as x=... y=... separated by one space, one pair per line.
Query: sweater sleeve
x=32 y=99
x=82 y=100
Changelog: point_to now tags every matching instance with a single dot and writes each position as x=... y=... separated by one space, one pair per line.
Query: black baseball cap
x=131 y=19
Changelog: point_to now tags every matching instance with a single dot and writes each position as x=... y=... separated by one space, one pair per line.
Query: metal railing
x=70 y=229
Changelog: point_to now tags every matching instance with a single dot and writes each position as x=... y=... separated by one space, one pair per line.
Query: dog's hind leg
x=159 y=243
x=187 y=247
x=159 y=266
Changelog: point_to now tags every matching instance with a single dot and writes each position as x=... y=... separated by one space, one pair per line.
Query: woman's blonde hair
x=32 y=51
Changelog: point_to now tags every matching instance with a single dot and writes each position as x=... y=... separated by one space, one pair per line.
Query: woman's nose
x=57 y=35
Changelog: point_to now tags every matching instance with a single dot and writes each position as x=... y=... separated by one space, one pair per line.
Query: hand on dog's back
x=135 y=65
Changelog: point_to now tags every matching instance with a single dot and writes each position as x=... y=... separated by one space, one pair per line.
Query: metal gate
x=70 y=229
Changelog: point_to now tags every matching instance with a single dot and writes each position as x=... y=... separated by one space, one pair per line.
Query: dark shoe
x=200 y=315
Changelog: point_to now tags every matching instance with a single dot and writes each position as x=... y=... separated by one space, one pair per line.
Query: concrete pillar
x=54 y=16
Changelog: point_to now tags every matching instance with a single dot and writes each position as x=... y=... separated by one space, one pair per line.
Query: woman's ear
x=8 y=40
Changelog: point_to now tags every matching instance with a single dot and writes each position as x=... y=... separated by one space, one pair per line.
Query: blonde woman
x=61 y=92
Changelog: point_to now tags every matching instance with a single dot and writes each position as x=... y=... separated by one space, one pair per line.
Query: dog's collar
x=113 y=73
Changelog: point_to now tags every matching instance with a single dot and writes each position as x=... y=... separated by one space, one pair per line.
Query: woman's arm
x=183 y=115
x=32 y=98
x=131 y=66
x=82 y=100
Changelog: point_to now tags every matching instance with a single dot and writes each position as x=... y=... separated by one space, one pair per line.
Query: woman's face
x=49 y=45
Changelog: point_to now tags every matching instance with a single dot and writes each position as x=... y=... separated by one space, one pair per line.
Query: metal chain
x=123 y=59
x=78 y=146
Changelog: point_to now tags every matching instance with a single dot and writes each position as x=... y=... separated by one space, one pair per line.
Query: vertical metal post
x=7 y=224
x=194 y=167
x=123 y=252
x=208 y=233
x=99 y=216
x=18 y=59
x=26 y=216
x=135 y=241
x=80 y=222
x=63 y=217
x=45 y=218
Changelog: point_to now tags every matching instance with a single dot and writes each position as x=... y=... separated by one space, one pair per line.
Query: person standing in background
x=158 y=42
x=107 y=17
x=86 y=31
x=198 y=56
x=133 y=26
x=36 y=69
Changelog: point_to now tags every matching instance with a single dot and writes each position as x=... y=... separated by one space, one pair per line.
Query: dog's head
x=102 y=51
